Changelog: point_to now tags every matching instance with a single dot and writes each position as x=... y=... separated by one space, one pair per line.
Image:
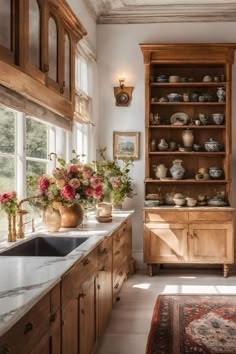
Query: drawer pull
x=86 y=262
x=117 y=286
x=5 y=350
x=28 y=327
x=53 y=317
x=116 y=253
x=118 y=239
x=104 y=251
x=121 y=273
x=82 y=295
x=103 y=269
x=124 y=229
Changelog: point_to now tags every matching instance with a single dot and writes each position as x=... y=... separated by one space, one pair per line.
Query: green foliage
x=115 y=176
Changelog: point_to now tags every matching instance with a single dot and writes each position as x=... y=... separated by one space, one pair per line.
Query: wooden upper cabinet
x=7 y=21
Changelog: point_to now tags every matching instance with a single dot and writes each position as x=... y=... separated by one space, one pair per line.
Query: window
x=81 y=73
x=25 y=143
x=81 y=141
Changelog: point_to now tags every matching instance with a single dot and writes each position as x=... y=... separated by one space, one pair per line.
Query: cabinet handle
x=194 y=234
x=5 y=350
x=82 y=295
x=61 y=90
x=28 y=327
x=121 y=273
x=103 y=269
x=116 y=253
x=45 y=68
x=86 y=261
x=53 y=317
x=104 y=251
x=99 y=287
x=117 y=286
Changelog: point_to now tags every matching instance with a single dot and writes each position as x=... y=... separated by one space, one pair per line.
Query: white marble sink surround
x=25 y=280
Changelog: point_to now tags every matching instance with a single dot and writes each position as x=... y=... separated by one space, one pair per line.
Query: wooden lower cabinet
x=74 y=314
x=205 y=238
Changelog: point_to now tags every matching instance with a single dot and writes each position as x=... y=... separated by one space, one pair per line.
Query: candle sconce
x=123 y=94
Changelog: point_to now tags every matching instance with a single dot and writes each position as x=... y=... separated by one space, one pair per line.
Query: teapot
x=160 y=170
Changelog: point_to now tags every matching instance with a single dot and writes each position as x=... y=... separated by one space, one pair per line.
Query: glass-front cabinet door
x=7 y=27
x=33 y=34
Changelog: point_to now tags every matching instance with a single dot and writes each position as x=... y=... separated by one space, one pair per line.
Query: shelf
x=187 y=84
x=190 y=181
x=188 y=103
x=191 y=153
x=186 y=126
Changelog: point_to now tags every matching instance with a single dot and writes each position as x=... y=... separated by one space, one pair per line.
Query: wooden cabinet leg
x=150 y=270
x=226 y=270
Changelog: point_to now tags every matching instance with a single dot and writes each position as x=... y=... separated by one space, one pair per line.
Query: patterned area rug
x=184 y=324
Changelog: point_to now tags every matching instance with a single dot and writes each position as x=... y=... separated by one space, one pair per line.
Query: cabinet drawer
x=119 y=256
x=73 y=280
x=105 y=252
x=120 y=271
x=26 y=333
x=165 y=216
x=119 y=237
x=210 y=216
x=118 y=282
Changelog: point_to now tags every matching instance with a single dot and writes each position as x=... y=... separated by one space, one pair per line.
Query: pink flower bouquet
x=8 y=202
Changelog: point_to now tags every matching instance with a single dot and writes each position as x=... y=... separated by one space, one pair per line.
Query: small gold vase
x=72 y=216
x=52 y=219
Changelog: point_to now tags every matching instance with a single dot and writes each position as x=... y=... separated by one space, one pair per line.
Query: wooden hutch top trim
x=189 y=53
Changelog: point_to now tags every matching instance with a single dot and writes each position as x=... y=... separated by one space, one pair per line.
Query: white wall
x=86 y=17
x=118 y=51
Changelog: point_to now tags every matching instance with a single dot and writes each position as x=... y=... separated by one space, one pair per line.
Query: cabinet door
x=70 y=327
x=49 y=344
x=7 y=28
x=87 y=318
x=104 y=295
x=210 y=243
x=165 y=243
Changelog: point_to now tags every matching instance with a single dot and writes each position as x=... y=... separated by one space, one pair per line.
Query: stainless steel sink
x=50 y=246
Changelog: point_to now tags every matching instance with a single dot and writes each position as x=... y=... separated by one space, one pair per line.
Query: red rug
x=184 y=324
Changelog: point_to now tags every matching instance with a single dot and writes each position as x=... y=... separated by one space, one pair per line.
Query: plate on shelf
x=179 y=118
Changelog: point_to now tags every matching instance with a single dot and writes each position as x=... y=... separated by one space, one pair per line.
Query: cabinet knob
x=82 y=295
x=103 y=269
x=117 y=286
x=116 y=253
x=28 y=327
x=104 y=251
x=61 y=90
x=194 y=234
x=86 y=261
x=5 y=350
x=99 y=287
x=53 y=317
x=45 y=68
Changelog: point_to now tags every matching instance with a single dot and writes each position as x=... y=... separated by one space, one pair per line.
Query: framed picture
x=126 y=145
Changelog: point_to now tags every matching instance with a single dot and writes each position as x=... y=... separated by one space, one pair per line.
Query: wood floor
x=130 y=321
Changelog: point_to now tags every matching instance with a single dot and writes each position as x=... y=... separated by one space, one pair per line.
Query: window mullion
x=20 y=155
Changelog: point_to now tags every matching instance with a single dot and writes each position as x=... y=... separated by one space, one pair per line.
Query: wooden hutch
x=201 y=234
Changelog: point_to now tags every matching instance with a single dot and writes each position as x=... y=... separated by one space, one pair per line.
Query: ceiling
x=153 y=11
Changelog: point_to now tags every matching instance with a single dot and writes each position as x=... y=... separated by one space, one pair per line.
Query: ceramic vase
x=220 y=94
x=177 y=170
x=52 y=219
x=187 y=137
x=160 y=171
x=72 y=215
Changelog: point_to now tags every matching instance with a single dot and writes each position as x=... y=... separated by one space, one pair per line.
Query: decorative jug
x=220 y=94
x=177 y=170
x=160 y=170
x=187 y=137
x=163 y=145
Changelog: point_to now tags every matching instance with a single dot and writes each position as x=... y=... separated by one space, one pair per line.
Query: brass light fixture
x=123 y=94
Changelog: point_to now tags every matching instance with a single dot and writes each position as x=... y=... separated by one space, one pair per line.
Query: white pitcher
x=160 y=170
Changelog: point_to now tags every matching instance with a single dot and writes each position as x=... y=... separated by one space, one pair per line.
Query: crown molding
x=122 y=11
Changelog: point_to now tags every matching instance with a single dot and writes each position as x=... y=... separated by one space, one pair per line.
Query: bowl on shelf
x=218 y=118
x=174 y=97
x=191 y=202
x=197 y=147
x=174 y=78
x=215 y=172
x=212 y=146
x=179 y=201
x=162 y=78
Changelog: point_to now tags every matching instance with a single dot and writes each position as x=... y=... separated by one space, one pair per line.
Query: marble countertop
x=25 y=280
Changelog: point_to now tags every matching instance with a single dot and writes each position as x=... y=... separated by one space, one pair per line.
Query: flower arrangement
x=8 y=202
x=115 y=176
x=69 y=183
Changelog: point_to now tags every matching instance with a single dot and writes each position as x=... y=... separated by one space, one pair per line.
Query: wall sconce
x=123 y=94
